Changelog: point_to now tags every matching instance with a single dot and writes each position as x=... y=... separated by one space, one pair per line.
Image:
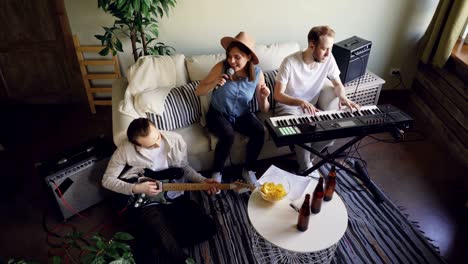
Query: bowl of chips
x=274 y=191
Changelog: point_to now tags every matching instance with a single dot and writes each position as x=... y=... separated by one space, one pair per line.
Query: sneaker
x=217 y=177
x=249 y=177
x=190 y=260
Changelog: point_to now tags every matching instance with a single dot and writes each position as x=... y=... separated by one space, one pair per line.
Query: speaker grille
x=80 y=185
x=365 y=90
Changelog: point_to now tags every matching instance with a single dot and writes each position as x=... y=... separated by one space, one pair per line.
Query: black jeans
x=167 y=228
x=247 y=124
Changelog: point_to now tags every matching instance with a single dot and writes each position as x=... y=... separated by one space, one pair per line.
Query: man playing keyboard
x=300 y=80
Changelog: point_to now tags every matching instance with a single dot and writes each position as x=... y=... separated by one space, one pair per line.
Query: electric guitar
x=142 y=199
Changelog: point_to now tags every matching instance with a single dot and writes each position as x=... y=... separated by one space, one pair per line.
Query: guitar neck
x=195 y=186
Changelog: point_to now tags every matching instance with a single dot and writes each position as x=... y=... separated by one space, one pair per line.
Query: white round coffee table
x=277 y=239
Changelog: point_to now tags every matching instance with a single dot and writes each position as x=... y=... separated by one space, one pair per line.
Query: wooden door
x=37 y=59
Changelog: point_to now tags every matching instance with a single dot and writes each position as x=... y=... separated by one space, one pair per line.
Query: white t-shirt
x=302 y=81
x=158 y=157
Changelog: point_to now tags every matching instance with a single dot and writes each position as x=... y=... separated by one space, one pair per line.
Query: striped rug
x=377 y=233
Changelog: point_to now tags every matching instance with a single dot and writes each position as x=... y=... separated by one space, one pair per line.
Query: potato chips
x=273 y=192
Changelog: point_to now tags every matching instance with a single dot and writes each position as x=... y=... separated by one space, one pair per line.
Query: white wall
x=196 y=26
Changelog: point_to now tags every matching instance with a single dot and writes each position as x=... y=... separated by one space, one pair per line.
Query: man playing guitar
x=173 y=221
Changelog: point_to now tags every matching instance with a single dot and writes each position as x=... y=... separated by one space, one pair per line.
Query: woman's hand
x=149 y=188
x=221 y=80
x=264 y=91
x=344 y=101
x=308 y=107
x=213 y=189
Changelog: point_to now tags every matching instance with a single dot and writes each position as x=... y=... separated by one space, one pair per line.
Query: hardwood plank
x=459 y=130
x=97 y=76
x=442 y=134
x=449 y=77
x=445 y=93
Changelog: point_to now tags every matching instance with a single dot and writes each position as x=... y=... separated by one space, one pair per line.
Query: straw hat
x=243 y=38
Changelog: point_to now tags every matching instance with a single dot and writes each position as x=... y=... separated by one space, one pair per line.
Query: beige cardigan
x=129 y=154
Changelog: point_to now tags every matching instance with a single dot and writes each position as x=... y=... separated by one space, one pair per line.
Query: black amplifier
x=352 y=55
x=74 y=177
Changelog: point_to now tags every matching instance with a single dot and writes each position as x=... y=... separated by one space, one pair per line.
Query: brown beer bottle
x=304 y=214
x=330 y=184
x=317 y=197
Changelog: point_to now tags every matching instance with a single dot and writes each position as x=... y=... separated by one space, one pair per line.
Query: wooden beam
x=97 y=62
x=103 y=102
x=90 y=48
x=101 y=89
x=98 y=76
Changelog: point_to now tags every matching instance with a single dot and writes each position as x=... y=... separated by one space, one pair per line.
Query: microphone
x=229 y=72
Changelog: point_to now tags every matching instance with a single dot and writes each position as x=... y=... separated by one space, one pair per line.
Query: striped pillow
x=270 y=82
x=181 y=108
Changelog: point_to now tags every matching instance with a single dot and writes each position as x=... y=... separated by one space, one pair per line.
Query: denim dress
x=233 y=98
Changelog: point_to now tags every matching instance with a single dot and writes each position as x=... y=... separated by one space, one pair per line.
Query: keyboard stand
x=330 y=158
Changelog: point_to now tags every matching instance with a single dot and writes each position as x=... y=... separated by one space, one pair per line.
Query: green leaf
x=99 y=260
x=87 y=258
x=118 y=261
x=145 y=10
x=100 y=244
x=123 y=236
x=91 y=249
x=123 y=246
x=118 y=45
x=172 y=3
x=159 y=11
x=166 y=8
x=113 y=254
x=104 y=52
x=56 y=260
x=136 y=5
x=100 y=37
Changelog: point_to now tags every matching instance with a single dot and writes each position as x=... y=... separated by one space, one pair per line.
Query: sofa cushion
x=199 y=66
x=181 y=73
x=181 y=108
x=271 y=56
x=150 y=72
x=196 y=137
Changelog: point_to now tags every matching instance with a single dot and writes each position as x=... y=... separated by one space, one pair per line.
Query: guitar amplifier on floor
x=74 y=178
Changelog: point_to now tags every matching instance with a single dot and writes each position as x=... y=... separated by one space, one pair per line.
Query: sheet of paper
x=297 y=184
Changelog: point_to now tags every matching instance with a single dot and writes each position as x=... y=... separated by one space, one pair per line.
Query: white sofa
x=201 y=144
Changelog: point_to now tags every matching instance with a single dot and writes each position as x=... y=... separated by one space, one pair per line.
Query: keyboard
x=327 y=125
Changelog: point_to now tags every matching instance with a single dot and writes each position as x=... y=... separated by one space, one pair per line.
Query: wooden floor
x=418 y=175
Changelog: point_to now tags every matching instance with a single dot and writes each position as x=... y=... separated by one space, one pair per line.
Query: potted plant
x=75 y=248
x=138 y=20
